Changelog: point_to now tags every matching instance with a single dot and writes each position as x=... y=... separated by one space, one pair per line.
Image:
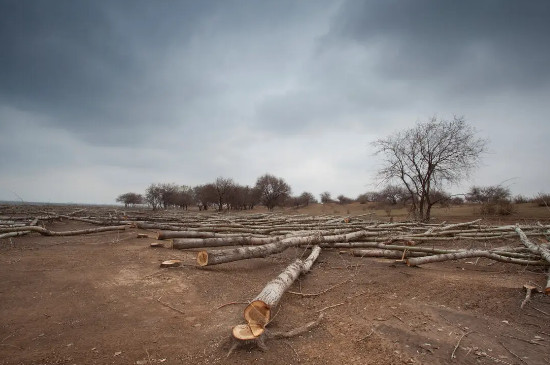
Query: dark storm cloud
x=85 y=63
x=472 y=45
x=111 y=70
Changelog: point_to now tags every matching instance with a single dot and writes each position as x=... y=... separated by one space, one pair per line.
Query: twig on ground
x=398 y=318
x=329 y=307
x=453 y=356
x=231 y=303
x=169 y=306
x=540 y=310
x=365 y=337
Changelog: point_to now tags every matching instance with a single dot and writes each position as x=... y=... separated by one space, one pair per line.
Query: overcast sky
x=99 y=98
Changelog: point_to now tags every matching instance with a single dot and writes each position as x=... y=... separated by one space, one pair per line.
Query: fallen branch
x=453 y=356
x=169 y=306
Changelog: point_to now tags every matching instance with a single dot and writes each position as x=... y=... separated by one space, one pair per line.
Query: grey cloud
x=491 y=44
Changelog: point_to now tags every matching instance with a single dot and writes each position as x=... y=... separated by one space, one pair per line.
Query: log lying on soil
x=536 y=249
x=427 y=250
x=258 y=313
x=472 y=253
x=390 y=254
x=47 y=232
x=14 y=234
x=182 y=244
x=215 y=257
x=162 y=235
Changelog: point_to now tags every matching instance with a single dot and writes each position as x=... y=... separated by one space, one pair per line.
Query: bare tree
x=273 y=190
x=342 y=199
x=488 y=194
x=153 y=196
x=223 y=189
x=307 y=198
x=130 y=199
x=184 y=197
x=169 y=194
x=428 y=156
x=205 y=195
x=326 y=198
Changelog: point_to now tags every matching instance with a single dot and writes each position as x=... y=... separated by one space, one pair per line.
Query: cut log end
x=202 y=258
x=246 y=332
x=257 y=314
x=157 y=244
x=142 y=235
x=171 y=263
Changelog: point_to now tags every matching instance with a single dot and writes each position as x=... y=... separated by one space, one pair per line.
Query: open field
x=102 y=298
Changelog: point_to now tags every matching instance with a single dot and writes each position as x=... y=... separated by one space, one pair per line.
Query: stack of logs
x=223 y=238
x=402 y=241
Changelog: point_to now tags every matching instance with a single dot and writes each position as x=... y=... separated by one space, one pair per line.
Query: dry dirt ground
x=103 y=299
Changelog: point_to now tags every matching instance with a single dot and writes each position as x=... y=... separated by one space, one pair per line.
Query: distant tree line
x=271 y=191
x=223 y=193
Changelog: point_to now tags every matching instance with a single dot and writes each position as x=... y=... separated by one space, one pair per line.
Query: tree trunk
x=389 y=254
x=181 y=244
x=46 y=232
x=536 y=249
x=472 y=253
x=215 y=257
x=258 y=312
x=162 y=235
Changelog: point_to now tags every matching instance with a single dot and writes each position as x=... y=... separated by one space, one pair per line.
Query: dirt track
x=95 y=300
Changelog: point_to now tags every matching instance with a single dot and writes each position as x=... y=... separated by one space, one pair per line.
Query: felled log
x=182 y=244
x=472 y=253
x=536 y=249
x=46 y=232
x=14 y=234
x=215 y=257
x=390 y=254
x=427 y=250
x=162 y=235
x=258 y=313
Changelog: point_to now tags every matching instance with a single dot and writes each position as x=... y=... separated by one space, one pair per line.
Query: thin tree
x=428 y=156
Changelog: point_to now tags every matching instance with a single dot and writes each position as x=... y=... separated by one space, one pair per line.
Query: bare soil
x=103 y=299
